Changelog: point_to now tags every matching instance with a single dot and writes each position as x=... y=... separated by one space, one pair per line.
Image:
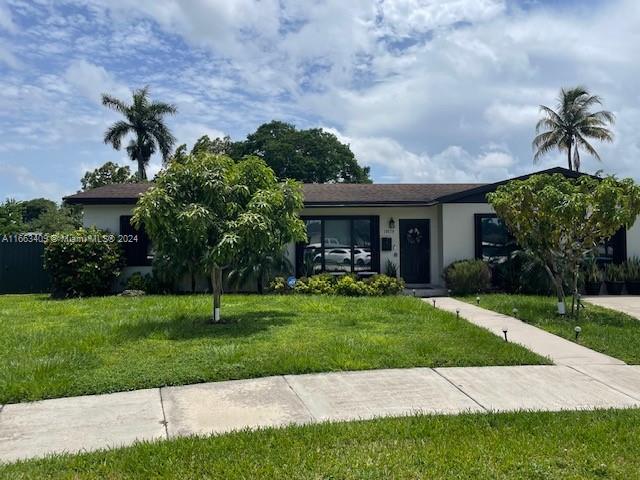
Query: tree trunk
x=142 y=174
x=556 y=279
x=569 y=158
x=216 y=287
x=260 y=286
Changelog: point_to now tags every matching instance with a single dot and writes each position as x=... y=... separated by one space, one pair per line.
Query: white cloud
x=6 y=20
x=92 y=81
x=29 y=185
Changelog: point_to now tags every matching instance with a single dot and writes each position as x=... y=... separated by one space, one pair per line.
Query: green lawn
x=55 y=348
x=568 y=445
x=607 y=331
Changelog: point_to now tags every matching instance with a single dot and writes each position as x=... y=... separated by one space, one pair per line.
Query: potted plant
x=592 y=277
x=632 y=276
x=614 y=276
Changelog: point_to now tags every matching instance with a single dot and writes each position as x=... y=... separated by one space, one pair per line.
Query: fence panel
x=21 y=268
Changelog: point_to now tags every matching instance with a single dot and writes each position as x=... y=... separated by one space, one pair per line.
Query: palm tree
x=570 y=126
x=143 y=119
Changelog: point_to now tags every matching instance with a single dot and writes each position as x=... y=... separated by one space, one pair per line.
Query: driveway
x=629 y=304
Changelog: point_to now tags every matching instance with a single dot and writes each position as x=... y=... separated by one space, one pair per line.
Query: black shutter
x=135 y=243
x=375 y=243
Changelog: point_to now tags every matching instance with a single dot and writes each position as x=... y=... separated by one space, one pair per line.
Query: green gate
x=21 y=268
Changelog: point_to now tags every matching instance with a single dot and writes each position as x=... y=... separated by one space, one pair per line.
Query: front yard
x=606 y=331
x=568 y=445
x=57 y=348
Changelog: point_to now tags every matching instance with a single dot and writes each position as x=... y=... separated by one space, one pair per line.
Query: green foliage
x=591 y=271
x=345 y=285
x=35 y=208
x=522 y=273
x=137 y=281
x=391 y=269
x=572 y=125
x=614 y=273
x=210 y=213
x=310 y=156
x=84 y=262
x=143 y=119
x=467 y=276
x=11 y=217
x=108 y=174
x=632 y=269
x=561 y=221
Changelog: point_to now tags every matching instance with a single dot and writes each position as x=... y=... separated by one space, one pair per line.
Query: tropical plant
x=345 y=285
x=562 y=220
x=467 y=276
x=144 y=119
x=261 y=268
x=632 y=269
x=592 y=271
x=220 y=212
x=11 y=217
x=390 y=268
x=614 y=273
x=108 y=174
x=572 y=125
x=84 y=262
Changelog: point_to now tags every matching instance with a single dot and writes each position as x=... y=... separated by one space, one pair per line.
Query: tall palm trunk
x=569 y=162
x=142 y=174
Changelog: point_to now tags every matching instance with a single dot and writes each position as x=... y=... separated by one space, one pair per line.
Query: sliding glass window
x=339 y=245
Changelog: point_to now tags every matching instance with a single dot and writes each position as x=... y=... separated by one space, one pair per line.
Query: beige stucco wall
x=106 y=217
x=458 y=230
x=385 y=214
x=633 y=240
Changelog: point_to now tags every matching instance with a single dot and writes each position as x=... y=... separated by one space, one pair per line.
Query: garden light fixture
x=578 y=330
x=478 y=300
x=504 y=331
x=392 y=223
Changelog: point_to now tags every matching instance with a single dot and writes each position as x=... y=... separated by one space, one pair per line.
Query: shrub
x=521 y=273
x=386 y=285
x=391 y=269
x=591 y=272
x=467 y=276
x=347 y=285
x=138 y=282
x=83 y=262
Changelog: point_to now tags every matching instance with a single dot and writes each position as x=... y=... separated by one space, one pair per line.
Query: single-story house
x=417 y=228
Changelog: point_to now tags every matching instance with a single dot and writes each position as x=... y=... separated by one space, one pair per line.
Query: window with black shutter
x=135 y=243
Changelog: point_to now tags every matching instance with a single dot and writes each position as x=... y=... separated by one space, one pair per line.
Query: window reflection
x=337 y=245
x=495 y=242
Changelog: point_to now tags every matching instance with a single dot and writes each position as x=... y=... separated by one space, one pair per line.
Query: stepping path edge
x=559 y=350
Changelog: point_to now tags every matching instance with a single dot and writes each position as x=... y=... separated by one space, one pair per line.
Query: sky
x=422 y=90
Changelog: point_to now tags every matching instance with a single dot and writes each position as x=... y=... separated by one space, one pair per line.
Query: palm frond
x=581 y=141
x=116 y=132
x=113 y=103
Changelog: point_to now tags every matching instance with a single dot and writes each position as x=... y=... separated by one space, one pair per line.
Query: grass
x=567 y=445
x=606 y=331
x=56 y=348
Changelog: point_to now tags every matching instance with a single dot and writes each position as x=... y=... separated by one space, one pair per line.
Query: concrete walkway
x=629 y=304
x=101 y=421
x=559 y=350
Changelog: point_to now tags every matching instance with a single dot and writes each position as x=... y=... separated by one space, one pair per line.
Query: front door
x=415 y=251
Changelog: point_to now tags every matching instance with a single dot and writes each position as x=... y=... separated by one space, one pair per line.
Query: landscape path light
x=458 y=312
x=578 y=331
x=478 y=300
x=515 y=312
x=504 y=331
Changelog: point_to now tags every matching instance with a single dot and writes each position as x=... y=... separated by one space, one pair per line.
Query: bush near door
x=467 y=276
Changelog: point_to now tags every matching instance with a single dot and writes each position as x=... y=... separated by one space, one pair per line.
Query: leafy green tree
x=35 y=208
x=571 y=125
x=217 y=146
x=215 y=212
x=310 y=156
x=143 y=119
x=57 y=219
x=562 y=221
x=108 y=174
x=11 y=217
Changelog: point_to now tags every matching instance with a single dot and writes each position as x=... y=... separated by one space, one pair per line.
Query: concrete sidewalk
x=101 y=421
x=559 y=350
x=629 y=304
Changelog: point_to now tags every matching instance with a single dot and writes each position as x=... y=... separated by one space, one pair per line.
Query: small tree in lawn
x=218 y=212
x=562 y=221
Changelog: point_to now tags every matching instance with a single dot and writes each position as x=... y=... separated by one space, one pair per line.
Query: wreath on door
x=414 y=236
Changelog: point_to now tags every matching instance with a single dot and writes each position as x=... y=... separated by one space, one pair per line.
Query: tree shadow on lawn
x=187 y=327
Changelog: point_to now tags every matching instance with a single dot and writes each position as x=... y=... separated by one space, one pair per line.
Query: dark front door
x=414 y=251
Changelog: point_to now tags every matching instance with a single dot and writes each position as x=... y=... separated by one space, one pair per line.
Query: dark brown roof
x=121 y=193
x=315 y=194
x=379 y=193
